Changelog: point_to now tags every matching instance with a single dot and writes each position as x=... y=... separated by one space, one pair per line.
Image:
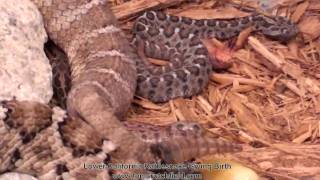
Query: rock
x=16 y=176
x=25 y=72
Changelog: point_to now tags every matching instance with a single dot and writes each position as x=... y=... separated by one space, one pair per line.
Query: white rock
x=25 y=72
x=16 y=176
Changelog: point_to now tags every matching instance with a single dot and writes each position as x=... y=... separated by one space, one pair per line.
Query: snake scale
x=105 y=73
x=178 y=39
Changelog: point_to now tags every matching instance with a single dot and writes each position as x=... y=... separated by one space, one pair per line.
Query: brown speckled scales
x=102 y=64
x=103 y=70
x=37 y=143
x=177 y=39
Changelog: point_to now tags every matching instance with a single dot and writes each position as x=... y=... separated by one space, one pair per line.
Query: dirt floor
x=268 y=100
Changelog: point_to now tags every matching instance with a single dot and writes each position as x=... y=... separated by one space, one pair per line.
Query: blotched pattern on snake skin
x=102 y=67
x=178 y=39
x=33 y=141
x=61 y=74
x=103 y=70
x=173 y=143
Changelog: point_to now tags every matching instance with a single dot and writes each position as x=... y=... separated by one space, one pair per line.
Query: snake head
x=277 y=27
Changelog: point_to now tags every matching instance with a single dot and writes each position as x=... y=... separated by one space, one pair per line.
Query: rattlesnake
x=178 y=39
x=103 y=67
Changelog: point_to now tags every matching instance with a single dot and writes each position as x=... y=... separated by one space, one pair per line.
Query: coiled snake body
x=105 y=70
x=178 y=39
